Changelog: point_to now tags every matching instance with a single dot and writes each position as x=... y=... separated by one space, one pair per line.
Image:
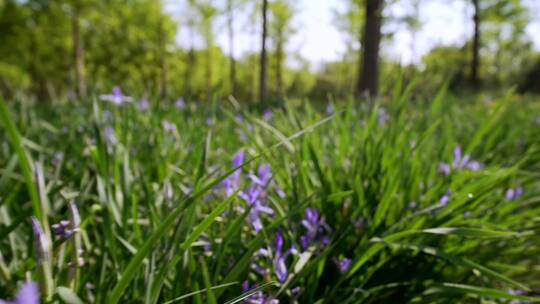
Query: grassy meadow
x=402 y=200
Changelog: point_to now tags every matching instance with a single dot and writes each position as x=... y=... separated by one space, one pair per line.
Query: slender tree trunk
x=163 y=62
x=369 y=70
x=262 y=79
x=190 y=66
x=475 y=64
x=78 y=52
x=232 y=62
x=208 y=67
x=279 y=62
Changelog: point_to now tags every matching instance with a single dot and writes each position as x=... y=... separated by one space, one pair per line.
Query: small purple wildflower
x=514 y=193
x=180 y=103
x=168 y=126
x=344 y=264
x=316 y=229
x=460 y=162
x=329 y=109
x=28 y=294
x=296 y=292
x=143 y=104
x=444 y=168
x=110 y=138
x=116 y=97
x=444 y=199
x=253 y=197
x=107 y=114
x=41 y=242
x=382 y=116
x=61 y=229
x=232 y=182
x=267 y=115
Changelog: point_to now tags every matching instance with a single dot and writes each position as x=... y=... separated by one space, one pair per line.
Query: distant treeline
x=72 y=48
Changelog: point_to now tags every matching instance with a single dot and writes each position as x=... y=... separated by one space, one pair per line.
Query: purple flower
x=258 y=297
x=252 y=196
x=444 y=168
x=61 y=229
x=263 y=176
x=514 y=193
x=382 y=116
x=28 y=294
x=238 y=158
x=110 y=138
x=267 y=115
x=232 y=182
x=180 y=103
x=316 y=229
x=296 y=292
x=41 y=242
x=143 y=104
x=344 y=264
x=116 y=97
x=168 y=126
x=459 y=162
x=444 y=199
x=329 y=109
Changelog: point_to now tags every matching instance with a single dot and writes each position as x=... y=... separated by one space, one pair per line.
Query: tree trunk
x=208 y=69
x=475 y=64
x=163 y=62
x=78 y=52
x=369 y=70
x=279 y=62
x=262 y=79
x=232 y=62
x=190 y=66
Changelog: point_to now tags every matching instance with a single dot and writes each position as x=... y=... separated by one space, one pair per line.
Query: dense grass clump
x=397 y=201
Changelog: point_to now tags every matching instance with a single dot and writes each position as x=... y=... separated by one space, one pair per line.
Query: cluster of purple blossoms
x=143 y=104
x=514 y=193
x=28 y=294
x=316 y=229
x=168 y=126
x=277 y=257
x=180 y=103
x=232 y=183
x=258 y=297
x=459 y=163
x=254 y=195
x=116 y=97
x=110 y=137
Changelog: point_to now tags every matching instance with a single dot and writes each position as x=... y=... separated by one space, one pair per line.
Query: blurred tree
x=262 y=78
x=281 y=29
x=350 y=22
x=369 y=71
x=78 y=50
x=505 y=18
x=207 y=12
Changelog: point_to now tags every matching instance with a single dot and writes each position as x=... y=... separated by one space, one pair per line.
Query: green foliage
x=158 y=227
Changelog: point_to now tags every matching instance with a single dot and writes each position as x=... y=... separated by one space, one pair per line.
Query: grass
x=157 y=226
